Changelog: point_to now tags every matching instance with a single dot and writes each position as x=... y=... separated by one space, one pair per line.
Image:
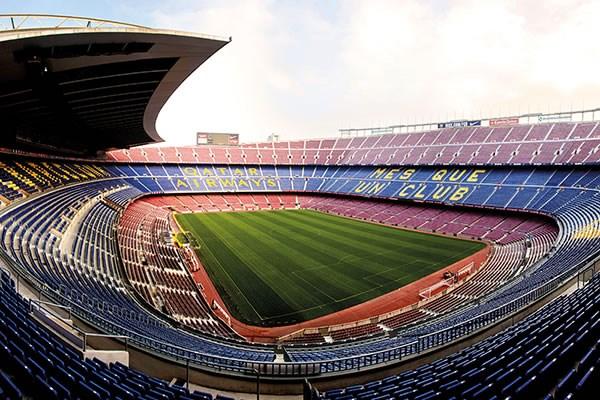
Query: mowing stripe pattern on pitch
x=280 y=267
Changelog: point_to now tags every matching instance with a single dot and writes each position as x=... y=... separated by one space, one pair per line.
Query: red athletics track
x=392 y=301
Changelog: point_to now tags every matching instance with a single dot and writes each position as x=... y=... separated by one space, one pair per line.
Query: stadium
x=454 y=259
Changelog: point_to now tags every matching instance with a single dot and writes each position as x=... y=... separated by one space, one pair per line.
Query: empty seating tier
x=536 y=144
x=62 y=239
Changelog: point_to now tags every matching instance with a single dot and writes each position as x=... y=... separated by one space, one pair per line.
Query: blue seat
x=22 y=372
x=404 y=392
x=484 y=392
x=587 y=384
x=105 y=394
x=432 y=394
x=368 y=395
x=161 y=394
x=88 y=393
x=43 y=390
x=511 y=386
x=566 y=384
x=201 y=395
x=62 y=391
x=36 y=369
x=10 y=389
x=382 y=397
x=127 y=390
x=589 y=358
x=468 y=393
x=451 y=387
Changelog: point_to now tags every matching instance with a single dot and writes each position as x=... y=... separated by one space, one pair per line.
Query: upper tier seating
x=558 y=143
x=19 y=179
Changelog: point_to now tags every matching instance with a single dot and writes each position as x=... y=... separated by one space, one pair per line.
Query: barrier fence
x=592 y=114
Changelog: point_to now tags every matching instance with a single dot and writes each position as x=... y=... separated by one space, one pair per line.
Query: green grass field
x=280 y=267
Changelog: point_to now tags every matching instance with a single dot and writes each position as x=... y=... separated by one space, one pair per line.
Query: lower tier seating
x=552 y=354
x=38 y=364
x=508 y=259
x=76 y=263
x=42 y=237
x=156 y=268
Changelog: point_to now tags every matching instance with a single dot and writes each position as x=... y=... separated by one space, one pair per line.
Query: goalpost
x=467 y=269
x=427 y=292
x=225 y=316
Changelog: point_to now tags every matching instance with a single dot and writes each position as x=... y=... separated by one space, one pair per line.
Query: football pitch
x=275 y=268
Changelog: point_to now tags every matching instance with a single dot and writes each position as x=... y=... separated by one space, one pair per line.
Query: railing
x=41 y=304
x=83 y=336
x=592 y=114
x=16 y=23
x=12 y=22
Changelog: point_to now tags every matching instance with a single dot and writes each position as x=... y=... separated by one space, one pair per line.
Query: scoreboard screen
x=222 y=139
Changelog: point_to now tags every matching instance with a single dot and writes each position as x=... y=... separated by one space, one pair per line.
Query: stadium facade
x=86 y=264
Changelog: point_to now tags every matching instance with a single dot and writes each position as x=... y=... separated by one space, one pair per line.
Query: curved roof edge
x=162 y=60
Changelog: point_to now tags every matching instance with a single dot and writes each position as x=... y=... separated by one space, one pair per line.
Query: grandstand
x=90 y=257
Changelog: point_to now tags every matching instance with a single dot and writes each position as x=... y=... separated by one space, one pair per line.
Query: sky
x=308 y=68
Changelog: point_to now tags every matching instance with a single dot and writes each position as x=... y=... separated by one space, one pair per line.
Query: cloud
x=305 y=69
